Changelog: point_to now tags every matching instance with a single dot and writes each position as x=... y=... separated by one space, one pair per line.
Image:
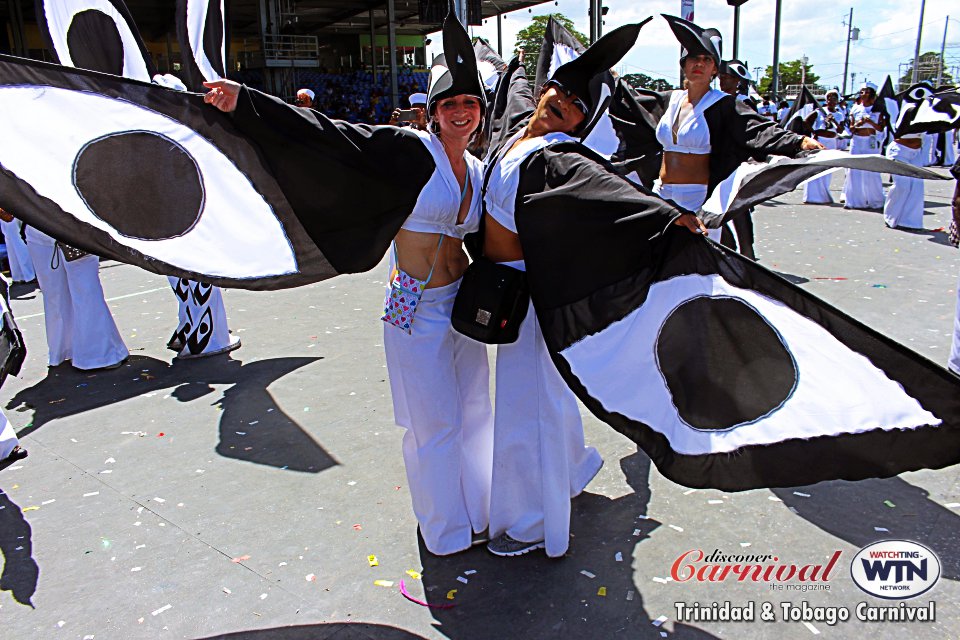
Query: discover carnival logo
x=895 y=569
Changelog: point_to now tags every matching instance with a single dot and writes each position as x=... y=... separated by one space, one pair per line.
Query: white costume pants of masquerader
x=540 y=461
x=904 y=205
x=21 y=266
x=202 y=328
x=863 y=189
x=440 y=382
x=950 y=150
x=77 y=318
x=954 y=362
x=8 y=437
x=817 y=191
x=928 y=149
x=688 y=196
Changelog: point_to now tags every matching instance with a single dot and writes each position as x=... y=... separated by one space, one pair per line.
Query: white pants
x=954 y=362
x=928 y=149
x=201 y=318
x=8 y=437
x=77 y=318
x=863 y=189
x=817 y=191
x=904 y=205
x=539 y=458
x=440 y=381
x=950 y=154
x=21 y=266
x=688 y=196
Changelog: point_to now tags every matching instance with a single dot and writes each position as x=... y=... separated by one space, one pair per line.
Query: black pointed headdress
x=696 y=40
x=455 y=72
x=588 y=74
x=736 y=69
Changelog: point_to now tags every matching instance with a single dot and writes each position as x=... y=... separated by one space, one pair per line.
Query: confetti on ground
x=383 y=583
x=663 y=634
x=812 y=628
x=92 y=493
x=689 y=491
x=714 y=501
x=357 y=527
x=161 y=609
x=469 y=572
x=660 y=580
x=160 y=500
x=422 y=603
x=829 y=278
x=629 y=595
x=878 y=286
x=413 y=574
x=952 y=505
x=774 y=499
x=45 y=502
x=309 y=577
x=451 y=594
x=132 y=569
x=618 y=557
x=161 y=434
x=801 y=494
x=588 y=574
x=240 y=558
x=745 y=544
x=602 y=591
x=676 y=528
x=139 y=546
x=109 y=461
x=61 y=623
x=462 y=579
x=636 y=532
x=107 y=471
x=25 y=509
x=659 y=621
x=351 y=483
x=372 y=560
x=881 y=530
x=227 y=591
x=889 y=504
x=263 y=596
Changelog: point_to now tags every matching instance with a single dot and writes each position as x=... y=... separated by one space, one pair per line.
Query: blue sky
x=888 y=31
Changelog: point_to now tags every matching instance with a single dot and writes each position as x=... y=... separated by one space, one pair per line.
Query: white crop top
x=439 y=201
x=500 y=196
x=693 y=135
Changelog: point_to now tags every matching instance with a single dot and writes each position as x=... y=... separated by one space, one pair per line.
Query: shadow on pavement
x=532 y=596
x=20 y=570
x=328 y=631
x=276 y=440
x=852 y=510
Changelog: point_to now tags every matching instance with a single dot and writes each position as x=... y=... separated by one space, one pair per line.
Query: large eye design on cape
x=95 y=34
x=736 y=369
x=150 y=182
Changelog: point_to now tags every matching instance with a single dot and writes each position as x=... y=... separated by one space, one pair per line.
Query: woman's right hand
x=691 y=222
x=223 y=94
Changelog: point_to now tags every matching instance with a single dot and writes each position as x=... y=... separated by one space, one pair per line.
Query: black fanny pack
x=491 y=303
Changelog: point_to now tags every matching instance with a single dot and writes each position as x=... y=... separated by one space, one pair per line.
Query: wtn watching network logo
x=895 y=569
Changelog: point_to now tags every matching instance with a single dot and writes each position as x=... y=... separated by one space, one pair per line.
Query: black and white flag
x=202 y=34
x=924 y=111
x=727 y=375
x=755 y=182
x=803 y=106
x=95 y=34
x=154 y=177
x=489 y=63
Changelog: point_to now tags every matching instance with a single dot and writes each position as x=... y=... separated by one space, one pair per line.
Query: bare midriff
x=685 y=168
x=415 y=253
x=864 y=131
x=912 y=143
x=824 y=133
x=499 y=243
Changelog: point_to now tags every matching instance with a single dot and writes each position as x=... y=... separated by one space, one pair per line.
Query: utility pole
x=736 y=30
x=803 y=71
x=846 y=58
x=776 y=54
x=943 y=45
x=916 y=55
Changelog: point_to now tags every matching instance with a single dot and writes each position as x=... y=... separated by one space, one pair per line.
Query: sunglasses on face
x=577 y=102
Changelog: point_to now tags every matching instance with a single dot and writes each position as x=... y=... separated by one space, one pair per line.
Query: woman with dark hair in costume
x=439 y=378
x=864 y=189
x=705 y=133
x=540 y=459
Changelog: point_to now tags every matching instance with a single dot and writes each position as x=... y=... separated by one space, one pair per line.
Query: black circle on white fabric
x=162 y=197
x=94 y=42
x=723 y=363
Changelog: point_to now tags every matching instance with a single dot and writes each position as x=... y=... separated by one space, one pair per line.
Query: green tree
x=530 y=39
x=790 y=73
x=930 y=66
x=643 y=81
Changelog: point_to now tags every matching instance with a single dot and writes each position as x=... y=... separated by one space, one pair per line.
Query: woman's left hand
x=691 y=222
x=809 y=144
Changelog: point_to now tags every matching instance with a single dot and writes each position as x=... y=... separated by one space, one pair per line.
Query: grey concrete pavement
x=241 y=496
